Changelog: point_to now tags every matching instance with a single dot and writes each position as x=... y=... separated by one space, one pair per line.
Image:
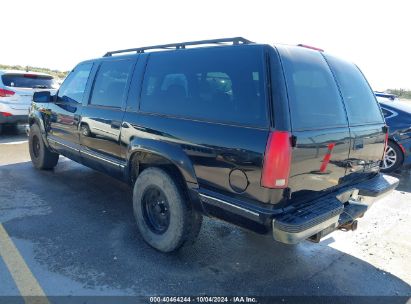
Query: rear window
x=30 y=81
x=359 y=99
x=313 y=94
x=219 y=84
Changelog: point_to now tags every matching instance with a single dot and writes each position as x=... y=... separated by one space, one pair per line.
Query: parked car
x=382 y=96
x=249 y=133
x=398 y=150
x=16 y=93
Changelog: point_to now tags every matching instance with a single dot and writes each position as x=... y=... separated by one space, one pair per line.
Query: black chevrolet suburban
x=277 y=139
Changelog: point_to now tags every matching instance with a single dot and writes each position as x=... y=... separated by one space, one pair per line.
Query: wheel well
x=140 y=161
x=399 y=147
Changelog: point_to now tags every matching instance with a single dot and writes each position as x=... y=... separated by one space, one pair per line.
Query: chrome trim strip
x=61 y=144
x=229 y=204
x=88 y=153
x=99 y=157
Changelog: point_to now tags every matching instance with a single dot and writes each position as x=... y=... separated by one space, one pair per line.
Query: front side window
x=220 y=84
x=359 y=99
x=73 y=87
x=109 y=87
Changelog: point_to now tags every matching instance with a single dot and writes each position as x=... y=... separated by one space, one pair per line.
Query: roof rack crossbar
x=182 y=45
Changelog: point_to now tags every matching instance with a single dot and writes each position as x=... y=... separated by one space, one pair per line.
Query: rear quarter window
x=362 y=107
x=314 y=99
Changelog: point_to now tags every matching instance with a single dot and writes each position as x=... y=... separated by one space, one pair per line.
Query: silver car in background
x=16 y=93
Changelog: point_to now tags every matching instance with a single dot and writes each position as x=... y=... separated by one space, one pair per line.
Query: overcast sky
x=376 y=35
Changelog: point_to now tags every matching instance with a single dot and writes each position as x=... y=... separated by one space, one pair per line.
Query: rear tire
x=165 y=219
x=41 y=156
x=1 y=129
x=393 y=158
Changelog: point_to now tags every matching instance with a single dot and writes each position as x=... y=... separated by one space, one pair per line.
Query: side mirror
x=43 y=96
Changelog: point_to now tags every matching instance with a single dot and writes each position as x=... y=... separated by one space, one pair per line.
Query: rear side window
x=359 y=99
x=313 y=94
x=110 y=84
x=216 y=84
x=28 y=80
x=73 y=87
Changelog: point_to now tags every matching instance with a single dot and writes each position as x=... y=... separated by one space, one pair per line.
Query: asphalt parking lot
x=74 y=229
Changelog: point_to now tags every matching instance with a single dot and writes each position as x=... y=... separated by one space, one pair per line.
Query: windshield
x=30 y=81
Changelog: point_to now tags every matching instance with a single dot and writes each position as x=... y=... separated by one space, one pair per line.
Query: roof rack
x=182 y=45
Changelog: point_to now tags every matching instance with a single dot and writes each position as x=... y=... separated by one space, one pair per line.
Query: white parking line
x=27 y=284
x=14 y=142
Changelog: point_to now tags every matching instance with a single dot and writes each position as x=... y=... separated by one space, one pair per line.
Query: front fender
x=39 y=115
x=169 y=151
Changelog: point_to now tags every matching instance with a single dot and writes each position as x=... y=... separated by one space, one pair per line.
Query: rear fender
x=170 y=152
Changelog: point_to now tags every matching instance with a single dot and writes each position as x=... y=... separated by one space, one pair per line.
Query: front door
x=64 y=113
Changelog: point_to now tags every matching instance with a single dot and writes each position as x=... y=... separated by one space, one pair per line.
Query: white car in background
x=16 y=93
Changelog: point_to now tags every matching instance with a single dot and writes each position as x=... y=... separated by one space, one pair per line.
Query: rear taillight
x=6 y=93
x=6 y=114
x=277 y=160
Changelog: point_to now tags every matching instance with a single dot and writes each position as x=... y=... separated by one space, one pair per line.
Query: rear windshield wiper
x=41 y=86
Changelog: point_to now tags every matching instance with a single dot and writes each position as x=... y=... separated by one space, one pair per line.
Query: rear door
x=318 y=121
x=367 y=127
x=102 y=116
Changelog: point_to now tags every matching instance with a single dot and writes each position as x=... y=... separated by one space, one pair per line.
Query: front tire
x=164 y=218
x=41 y=157
x=393 y=158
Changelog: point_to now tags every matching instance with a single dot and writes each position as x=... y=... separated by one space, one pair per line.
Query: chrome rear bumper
x=322 y=216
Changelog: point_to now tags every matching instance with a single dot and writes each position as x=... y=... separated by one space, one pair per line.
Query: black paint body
x=218 y=159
